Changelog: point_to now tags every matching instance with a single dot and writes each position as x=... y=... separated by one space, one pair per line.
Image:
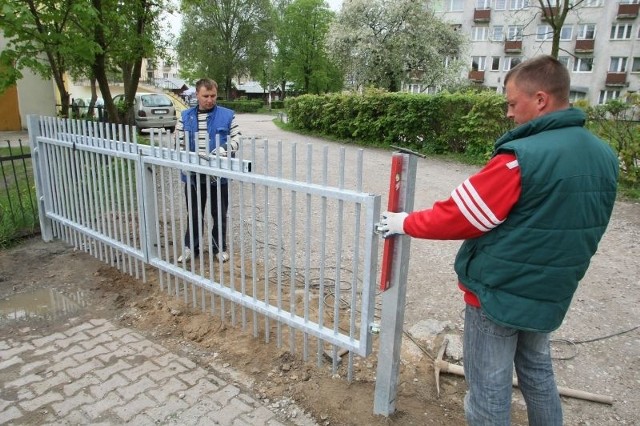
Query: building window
x=544 y=32
x=635 y=67
x=629 y=1
x=483 y=4
x=618 y=64
x=150 y=75
x=575 y=95
x=500 y=5
x=478 y=63
x=586 y=32
x=608 y=95
x=564 y=60
x=566 y=32
x=454 y=5
x=495 y=63
x=479 y=33
x=510 y=62
x=591 y=3
x=620 y=31
x=497 y=33
x=518 y=4
x=583 y=64
x=514 y=32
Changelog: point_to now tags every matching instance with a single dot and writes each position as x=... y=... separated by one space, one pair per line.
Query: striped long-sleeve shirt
x=202 y=142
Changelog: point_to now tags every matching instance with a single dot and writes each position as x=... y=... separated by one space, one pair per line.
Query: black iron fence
x=18 y=204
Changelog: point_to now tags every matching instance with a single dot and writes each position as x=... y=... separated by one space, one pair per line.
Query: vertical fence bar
x=393 y=302
x=39 y=161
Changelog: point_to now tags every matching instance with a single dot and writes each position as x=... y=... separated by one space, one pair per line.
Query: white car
x=153 y=110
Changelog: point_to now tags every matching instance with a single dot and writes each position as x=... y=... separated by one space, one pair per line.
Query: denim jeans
x=490 y=351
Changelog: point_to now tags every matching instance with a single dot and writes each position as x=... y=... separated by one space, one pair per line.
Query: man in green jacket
x=531 y=219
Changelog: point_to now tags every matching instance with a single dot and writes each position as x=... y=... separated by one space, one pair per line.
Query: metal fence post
x=46 y=225
x=393 y=301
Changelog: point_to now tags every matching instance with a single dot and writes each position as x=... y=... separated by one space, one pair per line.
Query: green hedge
x=449 y=122
x=242 y=106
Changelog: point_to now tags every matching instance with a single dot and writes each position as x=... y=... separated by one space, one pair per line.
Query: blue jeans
x=490 y=351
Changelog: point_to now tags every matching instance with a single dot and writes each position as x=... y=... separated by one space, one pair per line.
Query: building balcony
x=548 y=13
x=584 y=46
x=482 y=15
x=476 y=76
x=616 y=79
x=513 y=46
x=628 y=11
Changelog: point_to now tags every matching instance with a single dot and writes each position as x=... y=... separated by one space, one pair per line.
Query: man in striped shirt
x=207 y=129
x=531 y=220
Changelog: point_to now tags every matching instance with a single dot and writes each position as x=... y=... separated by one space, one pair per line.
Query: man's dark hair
x=207 y=83
x=544 y=73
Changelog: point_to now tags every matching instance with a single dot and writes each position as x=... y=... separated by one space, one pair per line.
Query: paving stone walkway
x=93 y=371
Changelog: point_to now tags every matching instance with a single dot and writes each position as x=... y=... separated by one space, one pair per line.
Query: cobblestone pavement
x=92 y=371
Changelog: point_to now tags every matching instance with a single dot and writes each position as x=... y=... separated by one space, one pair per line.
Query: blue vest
x=525 y=271
x=218 y=127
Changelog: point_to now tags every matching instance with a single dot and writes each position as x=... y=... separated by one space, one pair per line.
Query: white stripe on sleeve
x=473 y=207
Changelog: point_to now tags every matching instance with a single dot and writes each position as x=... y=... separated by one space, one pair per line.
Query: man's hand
x=392 y=223
x=219 y=151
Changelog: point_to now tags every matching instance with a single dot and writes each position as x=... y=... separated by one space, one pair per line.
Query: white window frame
x=635 y=65
x=481 y=61
x=584 y=29
x=577 y=64
x=625 y=29
x=455 y=5
x=544 y=32
x=566 y=33
x=508 y=62
x=618 y=64
x=565 y=60
x=608 y=95
x=495 y=63
x=500 y=5
x=576 y=95
x=629 y=1
x=591 y=3
x=479 y=33
x=497 y=29
x=514 y=32
x=518 y=4
x=483 y=4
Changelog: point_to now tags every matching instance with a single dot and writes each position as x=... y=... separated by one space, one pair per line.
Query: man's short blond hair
x=542 y=73
x=207 y=83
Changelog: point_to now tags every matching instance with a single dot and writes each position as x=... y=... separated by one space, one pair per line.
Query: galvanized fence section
x=303 y=251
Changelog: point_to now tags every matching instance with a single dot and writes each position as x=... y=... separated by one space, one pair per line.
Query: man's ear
x=542 y=100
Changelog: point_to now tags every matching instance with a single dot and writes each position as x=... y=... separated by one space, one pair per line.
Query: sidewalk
x=92 y=371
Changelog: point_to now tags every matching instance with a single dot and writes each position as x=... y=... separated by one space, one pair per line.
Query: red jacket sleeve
x=476 y=206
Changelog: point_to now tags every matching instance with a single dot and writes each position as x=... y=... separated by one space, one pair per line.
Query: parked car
x=153 y=110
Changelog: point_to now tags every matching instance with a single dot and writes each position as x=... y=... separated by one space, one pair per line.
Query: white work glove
x=392 y=223
x=219 y=151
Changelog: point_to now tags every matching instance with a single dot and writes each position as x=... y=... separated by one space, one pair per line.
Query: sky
x=335 y=4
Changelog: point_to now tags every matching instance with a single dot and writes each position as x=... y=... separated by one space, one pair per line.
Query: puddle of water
x=40 y=304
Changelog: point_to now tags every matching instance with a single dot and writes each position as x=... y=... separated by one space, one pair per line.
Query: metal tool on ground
x=442 y=366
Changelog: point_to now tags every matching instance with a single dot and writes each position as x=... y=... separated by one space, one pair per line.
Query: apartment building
x=600 y=42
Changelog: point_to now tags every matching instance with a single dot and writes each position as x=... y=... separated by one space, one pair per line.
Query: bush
x=448 y=122
x=242 y=106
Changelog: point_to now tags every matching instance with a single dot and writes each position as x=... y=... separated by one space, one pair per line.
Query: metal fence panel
x=303 y=252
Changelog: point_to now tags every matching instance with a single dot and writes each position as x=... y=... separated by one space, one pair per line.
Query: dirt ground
x=597 y=349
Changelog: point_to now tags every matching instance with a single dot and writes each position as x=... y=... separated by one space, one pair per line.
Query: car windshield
x=155 y=101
